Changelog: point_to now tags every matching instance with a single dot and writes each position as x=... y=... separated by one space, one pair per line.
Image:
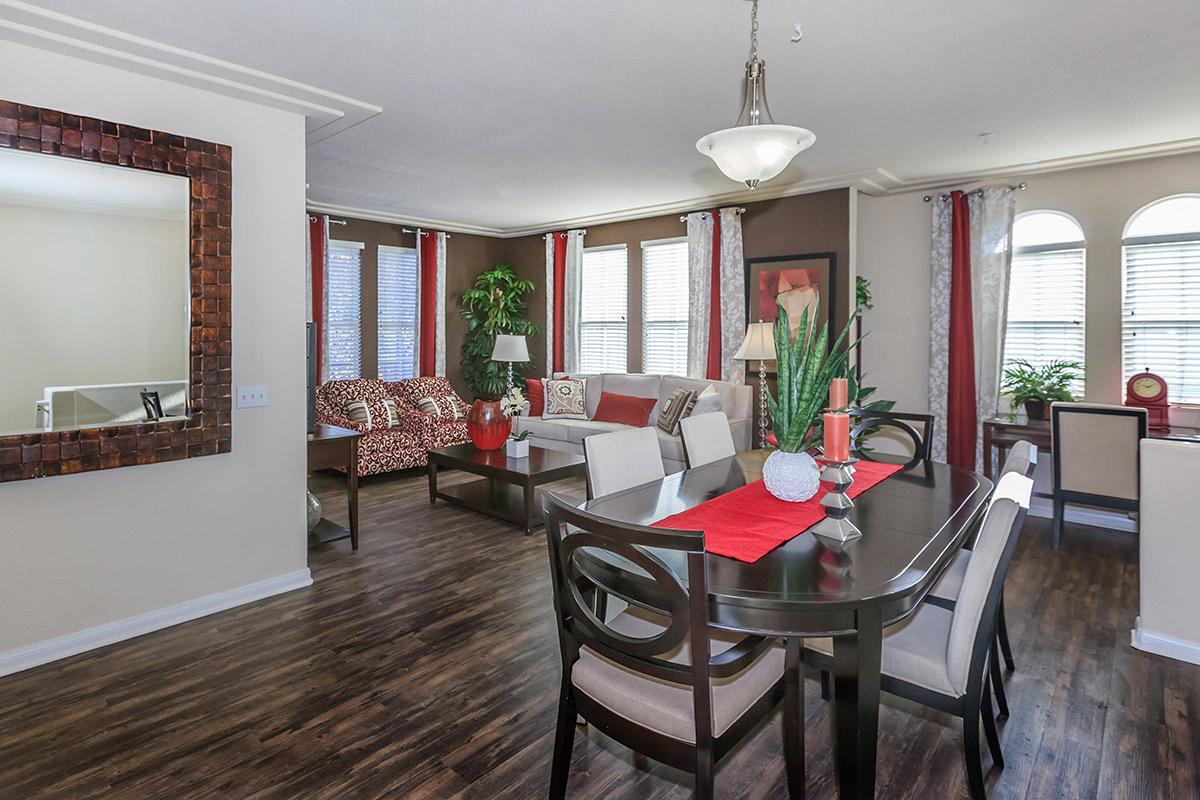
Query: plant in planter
x=517 y=445
x=494 y=305
x=805 y=365
x=1036 y=387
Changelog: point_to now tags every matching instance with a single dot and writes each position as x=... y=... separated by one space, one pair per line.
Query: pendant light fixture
x=755 y=149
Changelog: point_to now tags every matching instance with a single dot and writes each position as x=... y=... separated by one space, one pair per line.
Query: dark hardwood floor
x=424 y=666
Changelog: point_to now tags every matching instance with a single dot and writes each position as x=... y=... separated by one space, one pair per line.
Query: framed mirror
x=115 y=341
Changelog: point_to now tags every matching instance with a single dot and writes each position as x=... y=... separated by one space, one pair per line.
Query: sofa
x=385 y=448
x=568 y=434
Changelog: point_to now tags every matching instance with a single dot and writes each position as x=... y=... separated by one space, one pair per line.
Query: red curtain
x=559 y=361
x=713 y=369
x=960 y=404
x=427 y=247
x=316 y=231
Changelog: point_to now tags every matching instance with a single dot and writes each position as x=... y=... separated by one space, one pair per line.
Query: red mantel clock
x=1147 y=390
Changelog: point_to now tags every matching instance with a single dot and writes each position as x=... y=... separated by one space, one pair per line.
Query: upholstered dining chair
x=1095 y=450
x=666 y=685
x=706 y=438
x=938 y=657
x=621 y=460
x=916 y=428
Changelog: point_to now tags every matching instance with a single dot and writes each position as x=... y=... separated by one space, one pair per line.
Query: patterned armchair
x=449 y=425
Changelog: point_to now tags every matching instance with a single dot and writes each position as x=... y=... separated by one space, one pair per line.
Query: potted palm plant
x=805 y=364
x=1036 y=387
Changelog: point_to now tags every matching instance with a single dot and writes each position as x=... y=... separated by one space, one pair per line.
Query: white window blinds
x=397 y=346
x=343 y=304
x=665 y=306
x=603 y=301
x=1046 y=308
x=1161 y=331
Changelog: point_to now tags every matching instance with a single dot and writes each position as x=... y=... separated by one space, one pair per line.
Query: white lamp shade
x=759 y=344
x=754 y=153
x=510 y=348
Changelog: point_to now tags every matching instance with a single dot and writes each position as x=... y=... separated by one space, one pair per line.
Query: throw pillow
x=393 y=412
x=360 y=412
x=707 y=401
x=427 y=405
x=452 y=407
x=676 y=407
x=625 y=409
x=564 y=399
x=535 y=390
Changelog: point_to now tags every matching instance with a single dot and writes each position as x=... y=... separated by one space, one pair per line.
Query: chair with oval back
x=867 y=423
x=662 y=683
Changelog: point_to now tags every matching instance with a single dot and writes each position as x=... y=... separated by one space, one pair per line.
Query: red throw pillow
x=624 y=409
x=535 y=392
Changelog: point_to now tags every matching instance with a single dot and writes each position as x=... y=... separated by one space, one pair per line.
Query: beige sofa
x=568 y=434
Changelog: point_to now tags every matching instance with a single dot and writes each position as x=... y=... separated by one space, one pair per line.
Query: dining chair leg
x=825 y=686
x=1059 y=510
x=704 y=774
x=971 y=748
x=564 y=740
x=989 y=727
x=793 y=718
x=1002 y=637
x=998 y=682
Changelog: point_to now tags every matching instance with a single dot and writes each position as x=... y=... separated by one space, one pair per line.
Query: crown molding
x=326 y=113
x=374 y=215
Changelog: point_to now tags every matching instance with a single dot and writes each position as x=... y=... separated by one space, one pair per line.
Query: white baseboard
x=1163 y=645
x=1097 y=518
x=90 y=638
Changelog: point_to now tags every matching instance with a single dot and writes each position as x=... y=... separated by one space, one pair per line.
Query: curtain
x=431 y=303
x=556 y=265
x=731 y=296
x=315 y=258
x=572 y=272
x=700 y=271
x=970 y=267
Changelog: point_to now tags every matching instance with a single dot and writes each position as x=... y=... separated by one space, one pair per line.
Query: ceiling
x=510 y=117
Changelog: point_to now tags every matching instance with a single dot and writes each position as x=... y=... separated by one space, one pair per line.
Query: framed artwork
x=798 y=282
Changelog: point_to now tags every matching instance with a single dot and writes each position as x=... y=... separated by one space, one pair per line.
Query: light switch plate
x=251 y=396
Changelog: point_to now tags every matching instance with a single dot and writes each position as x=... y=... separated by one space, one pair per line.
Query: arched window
x=1046 y=291
x=1161 y=330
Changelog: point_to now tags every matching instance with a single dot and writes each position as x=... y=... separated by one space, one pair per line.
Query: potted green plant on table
x=513 y=404
x=495 y=304
x=1036 y=387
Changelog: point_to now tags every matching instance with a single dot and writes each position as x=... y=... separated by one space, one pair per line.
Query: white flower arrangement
x=513 y=402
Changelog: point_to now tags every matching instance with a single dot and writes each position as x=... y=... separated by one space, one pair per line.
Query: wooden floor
x=425 y=666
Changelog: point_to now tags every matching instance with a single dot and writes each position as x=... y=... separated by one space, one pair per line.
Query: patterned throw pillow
x=359 y=411
x=393 y=412
x=427 y=405
x=564 y=399
x=678 y=406
x=447 y=407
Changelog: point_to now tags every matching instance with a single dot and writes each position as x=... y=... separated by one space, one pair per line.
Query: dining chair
x=621 y=460
x=938 y=657
x=666 y=685
x=706 y=438
x=917 y=428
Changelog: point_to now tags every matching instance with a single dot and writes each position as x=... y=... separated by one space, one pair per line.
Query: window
x=343 y=310
x=1161 y=330
x=397 y=312
x=665 y=306
x=1046 y=292
x=603 y=296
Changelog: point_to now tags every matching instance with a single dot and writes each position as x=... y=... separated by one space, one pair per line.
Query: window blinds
x=665 y=306
x=343 y=303
x=1161 y=331
x=603 y=300
x=1046 y=312
x=397 y=312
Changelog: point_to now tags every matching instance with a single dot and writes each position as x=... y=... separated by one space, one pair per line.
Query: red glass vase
x=487 y=425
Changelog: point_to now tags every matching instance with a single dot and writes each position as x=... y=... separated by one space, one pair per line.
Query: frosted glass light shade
x=753 y=153
x=510 y=348
x=759 y=344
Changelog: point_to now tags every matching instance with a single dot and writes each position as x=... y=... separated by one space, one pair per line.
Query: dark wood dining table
x=912 y=525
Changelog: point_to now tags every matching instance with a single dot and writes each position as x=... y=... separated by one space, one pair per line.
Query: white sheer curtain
x=733 y=295
x=699 y=228
x=549 y=327
x=571 y=285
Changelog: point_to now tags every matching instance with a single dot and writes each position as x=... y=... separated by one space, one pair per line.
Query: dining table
x=912 y=523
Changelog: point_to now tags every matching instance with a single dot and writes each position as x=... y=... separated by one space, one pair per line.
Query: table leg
x=987 y=451
x=433 y=475
x=856 y=666
x=793 y=718
x=352 y=493
x=530 y=511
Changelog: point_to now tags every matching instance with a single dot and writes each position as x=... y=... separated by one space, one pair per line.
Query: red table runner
x=750 y=522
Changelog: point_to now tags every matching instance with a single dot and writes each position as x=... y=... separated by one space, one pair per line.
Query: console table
x=330 y=447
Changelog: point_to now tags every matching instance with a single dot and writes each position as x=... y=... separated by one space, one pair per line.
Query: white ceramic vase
x=793 y=477
x=514 y=448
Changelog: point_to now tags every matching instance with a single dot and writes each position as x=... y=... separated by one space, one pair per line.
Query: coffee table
x=509 y=488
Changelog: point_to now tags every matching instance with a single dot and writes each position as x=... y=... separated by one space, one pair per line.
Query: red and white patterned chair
x=447 y=427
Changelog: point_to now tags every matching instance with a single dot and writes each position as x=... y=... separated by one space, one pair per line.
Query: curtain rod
x=1020 y=187
x=331 y=220
x=418 y=231
x=738 y=210
x=564 y=233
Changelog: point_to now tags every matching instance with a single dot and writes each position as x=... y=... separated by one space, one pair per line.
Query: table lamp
x=510 y=348
x=759 y=344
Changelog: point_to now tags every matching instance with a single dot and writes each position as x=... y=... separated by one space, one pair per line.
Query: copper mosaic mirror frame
x=207 y=431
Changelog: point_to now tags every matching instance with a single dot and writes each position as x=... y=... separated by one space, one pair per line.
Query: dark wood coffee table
x=509 y=488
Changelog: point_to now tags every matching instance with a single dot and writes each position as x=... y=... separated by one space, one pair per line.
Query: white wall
x=89 y=549
x=88 y=298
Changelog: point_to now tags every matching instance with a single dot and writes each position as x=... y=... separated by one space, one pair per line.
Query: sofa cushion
x=674 y=408
x=707 y=402
x=671 y=446
x=565 y=399
x=632 y=385
x=625 y=409
x=535 y=390
x=542 y=428
x=579 y=429
x=591 y=394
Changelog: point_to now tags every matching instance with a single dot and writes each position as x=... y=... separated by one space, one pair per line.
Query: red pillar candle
x=838 y=394
x=837 y=437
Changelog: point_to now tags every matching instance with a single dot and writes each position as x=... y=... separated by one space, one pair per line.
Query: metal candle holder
x=837 y=525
